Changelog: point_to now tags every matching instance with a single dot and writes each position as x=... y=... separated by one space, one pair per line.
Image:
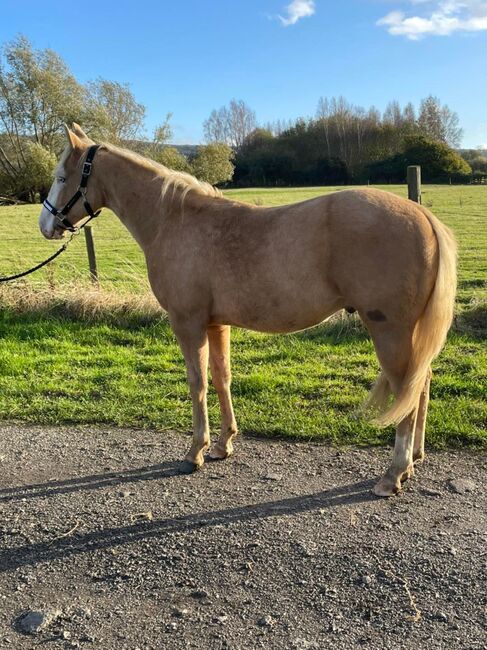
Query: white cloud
x=439 y=18
x=296 y=10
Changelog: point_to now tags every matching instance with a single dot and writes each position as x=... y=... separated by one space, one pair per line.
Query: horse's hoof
x=188 y=467
x=217 y=453
x=385 y=488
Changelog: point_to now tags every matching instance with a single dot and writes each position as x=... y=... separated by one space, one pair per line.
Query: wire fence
x=119 y=262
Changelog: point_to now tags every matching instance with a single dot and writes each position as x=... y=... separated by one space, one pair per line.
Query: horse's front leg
x=221 y=376
x=194 y=344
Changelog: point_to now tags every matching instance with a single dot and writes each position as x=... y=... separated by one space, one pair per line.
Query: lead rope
x=8 y=278
x=80 y=193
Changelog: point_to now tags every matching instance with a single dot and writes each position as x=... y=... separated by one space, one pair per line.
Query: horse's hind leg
x=401 y=467
x=418 y=449
x=394 y=345
x=219 y=339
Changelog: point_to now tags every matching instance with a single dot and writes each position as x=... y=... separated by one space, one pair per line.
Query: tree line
x=341 y=143
x=344 y=143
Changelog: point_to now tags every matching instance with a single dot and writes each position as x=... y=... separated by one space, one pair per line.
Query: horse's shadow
x=33 y=554
x=92 y=482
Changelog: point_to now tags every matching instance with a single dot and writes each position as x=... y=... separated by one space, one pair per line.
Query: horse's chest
x=159 y=283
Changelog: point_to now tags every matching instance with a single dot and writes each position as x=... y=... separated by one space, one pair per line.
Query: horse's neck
x=133 y=193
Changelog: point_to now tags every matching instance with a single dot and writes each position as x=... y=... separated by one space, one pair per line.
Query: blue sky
x=280 y=56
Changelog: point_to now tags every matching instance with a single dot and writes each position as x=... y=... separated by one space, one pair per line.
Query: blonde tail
x=429 y=334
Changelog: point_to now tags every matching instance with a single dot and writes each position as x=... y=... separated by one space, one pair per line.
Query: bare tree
x=393 y=114
x=453 y=133
x=323 y=114
x=230 y=124
x=409 y=114
x=277 y=127
x=342 y=115
x=439 y=122
x=216 y=126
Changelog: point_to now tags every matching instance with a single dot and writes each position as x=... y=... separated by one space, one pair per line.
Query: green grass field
x=59 y=365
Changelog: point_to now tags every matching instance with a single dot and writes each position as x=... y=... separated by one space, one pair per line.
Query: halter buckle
x=65 y=224
x=87 y=168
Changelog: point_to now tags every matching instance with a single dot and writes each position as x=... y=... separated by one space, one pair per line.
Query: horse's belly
x=275 y=317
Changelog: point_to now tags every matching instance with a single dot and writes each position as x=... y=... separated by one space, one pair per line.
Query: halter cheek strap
x=80 y=192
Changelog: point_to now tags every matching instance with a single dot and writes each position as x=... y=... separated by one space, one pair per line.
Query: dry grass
x=88 y=303
x=80 y=302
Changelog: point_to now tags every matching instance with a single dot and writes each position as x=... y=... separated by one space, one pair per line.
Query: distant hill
x=470 y=152
x=187 y=150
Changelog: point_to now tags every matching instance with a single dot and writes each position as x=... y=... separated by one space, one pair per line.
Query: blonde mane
x=171 y=179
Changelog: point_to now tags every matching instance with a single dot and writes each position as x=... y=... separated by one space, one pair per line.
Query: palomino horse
x=214 y=262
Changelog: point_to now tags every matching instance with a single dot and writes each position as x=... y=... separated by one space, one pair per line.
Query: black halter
x=80 y=192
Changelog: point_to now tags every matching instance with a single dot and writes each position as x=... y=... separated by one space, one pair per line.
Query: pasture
x=69 y=354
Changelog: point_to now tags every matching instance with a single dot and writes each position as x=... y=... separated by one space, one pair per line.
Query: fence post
x=414 y=183
x=90 y=249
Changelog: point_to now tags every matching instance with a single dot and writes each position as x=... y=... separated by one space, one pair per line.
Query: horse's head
x=66 y=203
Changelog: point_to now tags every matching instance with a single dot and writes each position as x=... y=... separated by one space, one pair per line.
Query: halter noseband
x=80 y=192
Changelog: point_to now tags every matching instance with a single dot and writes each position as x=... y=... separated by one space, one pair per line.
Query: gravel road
x=105 y=545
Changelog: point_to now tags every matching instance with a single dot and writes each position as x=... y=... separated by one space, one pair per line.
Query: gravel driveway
x=281 y=546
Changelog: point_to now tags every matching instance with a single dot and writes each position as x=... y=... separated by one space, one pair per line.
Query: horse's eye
x=61 y=179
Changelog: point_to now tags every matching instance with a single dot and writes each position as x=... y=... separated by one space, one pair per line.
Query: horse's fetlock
x=418 y=456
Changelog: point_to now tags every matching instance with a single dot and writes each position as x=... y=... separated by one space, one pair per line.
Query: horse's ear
x=77 y=130
x=73 y=139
